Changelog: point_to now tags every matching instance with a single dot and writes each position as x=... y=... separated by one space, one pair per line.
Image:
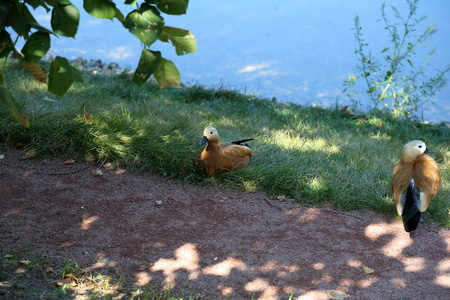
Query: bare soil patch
x=209 y=241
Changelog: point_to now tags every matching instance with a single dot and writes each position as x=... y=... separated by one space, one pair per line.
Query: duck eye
x=420 y=146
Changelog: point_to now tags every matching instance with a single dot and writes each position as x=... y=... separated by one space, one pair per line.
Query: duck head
x=414 y=149
x=210 y=135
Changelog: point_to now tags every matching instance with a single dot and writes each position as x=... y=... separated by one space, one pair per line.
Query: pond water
x=298 y=51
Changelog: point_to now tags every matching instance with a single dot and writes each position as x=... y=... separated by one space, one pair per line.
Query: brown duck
x=222 y=157
x=415 y=182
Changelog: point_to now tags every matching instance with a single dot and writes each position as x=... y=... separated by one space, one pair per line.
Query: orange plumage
x=222 y=157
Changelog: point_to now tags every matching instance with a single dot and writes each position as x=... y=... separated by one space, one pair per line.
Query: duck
x=415 y=182
x=222 y=157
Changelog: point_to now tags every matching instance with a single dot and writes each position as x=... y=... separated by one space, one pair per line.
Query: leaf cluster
x=145 y=22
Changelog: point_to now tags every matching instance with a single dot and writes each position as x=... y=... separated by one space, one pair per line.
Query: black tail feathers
x=411 y=213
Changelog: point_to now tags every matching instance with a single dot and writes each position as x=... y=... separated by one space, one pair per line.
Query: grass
x=312 y=155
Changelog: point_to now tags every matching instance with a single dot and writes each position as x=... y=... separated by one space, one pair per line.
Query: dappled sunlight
x=318 y=266
x=289 y=140
x=142 y=278
x=366 y=283
x=354 y=263
x=104 y=263
x=306 y=215
x=262 y=285
x=443 y=276
x=316 y=183
x=87 y=220
x=399 y=282
x=103 y=260
x=225 y=267
x=414 y=264
x=226 y=290
x=186 y=257
x=314 y=295
x=399 y=242
x=283 y=269
x=444 y=234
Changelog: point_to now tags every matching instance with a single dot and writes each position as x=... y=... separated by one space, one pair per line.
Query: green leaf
x=385 y=49
x=131 y=2
x=167 y=74
x=45 y=6
x=388 y=76
x=34 y=24
x=102 y=9
x=149 y=62
x=6 y=44
x=145 y=23
x=171 y=7
x=63 y=2
x=65 y=20
x=18 y=20
x=410 y=63
x=182 y=39
x=5 y=10
x=36 y=46
x=36 y=70
x=11 y=103
x=119 y=16
x=61 y=77
x=77 y=75
x=34 y=3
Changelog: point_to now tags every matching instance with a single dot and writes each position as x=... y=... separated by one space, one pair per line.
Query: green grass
x=312 y=155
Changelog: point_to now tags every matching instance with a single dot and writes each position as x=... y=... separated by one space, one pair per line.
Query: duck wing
x=235 y=151
x=427 y=179
x=401 y=179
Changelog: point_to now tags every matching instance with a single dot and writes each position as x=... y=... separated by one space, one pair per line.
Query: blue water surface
x=298 y=51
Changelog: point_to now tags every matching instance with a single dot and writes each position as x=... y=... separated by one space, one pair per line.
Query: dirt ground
x=209 y=241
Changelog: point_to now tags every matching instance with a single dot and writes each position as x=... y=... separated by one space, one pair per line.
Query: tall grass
x=310 y=154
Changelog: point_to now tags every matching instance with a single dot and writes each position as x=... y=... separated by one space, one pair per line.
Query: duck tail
x=411 y=213
x=242 y=142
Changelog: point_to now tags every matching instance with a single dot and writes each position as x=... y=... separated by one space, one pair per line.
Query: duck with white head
x=415 y=182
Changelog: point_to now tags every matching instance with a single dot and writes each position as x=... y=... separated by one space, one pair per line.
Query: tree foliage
x=145 y=22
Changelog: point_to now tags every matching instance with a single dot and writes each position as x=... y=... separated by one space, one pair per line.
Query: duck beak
x=428 y=150
x=204 y=140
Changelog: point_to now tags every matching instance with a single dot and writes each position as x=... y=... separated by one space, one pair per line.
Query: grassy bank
x=313 y=155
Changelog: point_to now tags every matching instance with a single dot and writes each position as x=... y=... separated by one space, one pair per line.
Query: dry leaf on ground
x=333 y=294
x=97 y=173
x=65 y=281
x=69 y=162
x=87 y=117
x=367 y=270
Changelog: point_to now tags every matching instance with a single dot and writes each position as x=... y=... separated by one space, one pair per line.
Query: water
x=298 y=51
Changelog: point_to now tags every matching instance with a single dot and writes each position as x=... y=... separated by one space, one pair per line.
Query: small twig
x=271 y=204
